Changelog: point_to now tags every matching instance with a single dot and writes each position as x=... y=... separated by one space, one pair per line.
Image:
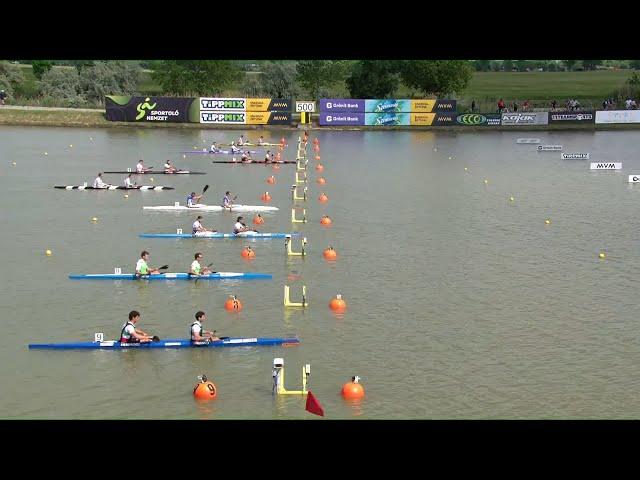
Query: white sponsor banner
x=528 y=140
x=575 y=156
x=606 y=166
x=634 y=178
x=303 y=106
x=549 y=148
x=528 y=118
x=618 y=116
x=239 y=118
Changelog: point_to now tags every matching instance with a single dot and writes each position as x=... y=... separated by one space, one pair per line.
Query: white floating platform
x=606 y=166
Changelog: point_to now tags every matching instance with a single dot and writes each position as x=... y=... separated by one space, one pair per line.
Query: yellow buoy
x=547 y=221
x=435 y=149
x=70 y=145
x=49 y=253
x=449 y=158
x=465 y=169
x=184 y=156
x=151 y=179
x=601 y=255
x=46 y=153
x=486 y=181
x=126 y=195
x=94 y=219
x=13 y=163
x=511 y=198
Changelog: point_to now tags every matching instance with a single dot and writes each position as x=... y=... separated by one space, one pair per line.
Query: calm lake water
x=461 y=302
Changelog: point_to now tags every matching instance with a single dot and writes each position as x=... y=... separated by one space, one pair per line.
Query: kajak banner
x=354 y=105
x=533 y=118
x=246 y=104
x=245 y=118
x=151 y=109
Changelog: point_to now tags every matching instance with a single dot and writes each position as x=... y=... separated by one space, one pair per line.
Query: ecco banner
x=245 y=104
x=339 y=119
x=436 y=119
x=388 y=105
x=571 y=117
x=618 y=116
x=479 y=119
x=574 y=156
x=268 y=118
x=525 y=118
x=151 y=109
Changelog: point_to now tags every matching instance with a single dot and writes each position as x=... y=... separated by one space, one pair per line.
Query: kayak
x=248 y=144
x=214 y=208
x=219 y=235
x=252 y=162
x=220 y=152
x=113 y=187
x=171 y=276
x=169 y=343
x=179 y=172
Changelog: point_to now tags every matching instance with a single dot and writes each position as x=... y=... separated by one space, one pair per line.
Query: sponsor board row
x=245 y=104
x=389 y=105
x=406 y=119
x=245 y=118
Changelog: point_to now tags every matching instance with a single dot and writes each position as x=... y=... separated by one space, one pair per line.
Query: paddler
x=198 y=334
x=98 y=183
x=140 y=168
x=240 y=140
x=197 y=226
x=196 y=269
x=245 y=158
x=131 y=334
x=128 y=183
x=261 y=140
x=193 y=199
x=240 y=227
x=235 y=149
x=227 y=202
x=214 y=148
x=142 y=268
x=267 y=157
x=168 y=168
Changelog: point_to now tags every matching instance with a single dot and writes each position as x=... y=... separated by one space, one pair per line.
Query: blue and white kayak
x=170 y=343
x=219 y=235
x=171 y=276
x=212 y=208
x=219 y=152
x=156 y=188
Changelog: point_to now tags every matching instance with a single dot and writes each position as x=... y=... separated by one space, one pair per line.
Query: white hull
x=212 y=208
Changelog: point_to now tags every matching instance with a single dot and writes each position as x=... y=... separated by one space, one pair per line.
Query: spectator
x=605 y=104
x=627 y=104
x=473 y=105
x=501 y=105
x=525 y=106
x=3 y=96
x=515 y=107
x=553 y=105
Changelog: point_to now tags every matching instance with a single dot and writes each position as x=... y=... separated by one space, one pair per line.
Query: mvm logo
x=210 y=117
x=280 y=105
x=281 y=118
x=606 y=166
x=445 y=106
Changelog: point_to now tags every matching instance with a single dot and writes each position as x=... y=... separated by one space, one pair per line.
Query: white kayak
x=212 y=208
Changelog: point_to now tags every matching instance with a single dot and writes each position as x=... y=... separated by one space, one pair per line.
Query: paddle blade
x=206 y=187
x=313 y=406
x=164 y=267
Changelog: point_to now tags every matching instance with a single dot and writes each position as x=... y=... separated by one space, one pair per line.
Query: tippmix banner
x=151 y=109
x=245 y=104
x=389 y=105
x=245 y=118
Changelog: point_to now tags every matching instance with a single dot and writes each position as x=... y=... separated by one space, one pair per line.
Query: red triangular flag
x=313 y=405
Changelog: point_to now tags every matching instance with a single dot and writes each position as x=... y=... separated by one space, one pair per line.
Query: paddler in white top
x=246 y=157
x=131 y=334
x=261 y=140
x=128 y=183
x=235 y=149
x=240 y=227
x=196 y=269
x=197 y=226
x=140 y=168
x=142 y=268
x=168 y=168
x=198 y=334
x=240 y=140
x=98 y=183
x=267 y=157
x=214 y=148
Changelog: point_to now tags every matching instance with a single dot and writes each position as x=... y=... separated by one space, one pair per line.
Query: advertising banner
x=151 y=109
x=340 y=119
x=351 y=105
x=525 y=118
x=571 y=117
x=606 y=166
x=618 y=116
x=549 y=148
x=245 y=104
x=221 y=116
x=268 y=118
x=479 y=119
x=386 y=119
x=575 y=156
x=435 y=119
x=634 y=178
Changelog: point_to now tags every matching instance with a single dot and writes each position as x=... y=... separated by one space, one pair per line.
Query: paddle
x=198 y=277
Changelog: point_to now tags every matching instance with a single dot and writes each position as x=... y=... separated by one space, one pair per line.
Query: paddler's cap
x=193 y=193
x=199 y=217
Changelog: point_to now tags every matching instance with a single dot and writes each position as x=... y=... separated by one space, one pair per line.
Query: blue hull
x=171 y=276
x=218 y=235
x=169 y=343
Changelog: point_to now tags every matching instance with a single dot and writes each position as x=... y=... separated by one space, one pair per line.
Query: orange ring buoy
x=205 y=391
x=233 y=304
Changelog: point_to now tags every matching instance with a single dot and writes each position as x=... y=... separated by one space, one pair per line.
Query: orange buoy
x=325 y=220
x=205 y=390
x=282 y=142
x=275 y=167
x=323 y=198
x=353 y=390
x=258 y=220
x=319 y=167
x=278 y=156
x=233 y=304
x=271 y=180
x=265 y=197
x=247 y=252
x=317 y=157
x=321 y=180
x=330 y=253
x=316 y=141
x=337 y=304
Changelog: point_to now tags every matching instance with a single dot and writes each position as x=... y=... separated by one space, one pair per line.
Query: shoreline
x=86 y=118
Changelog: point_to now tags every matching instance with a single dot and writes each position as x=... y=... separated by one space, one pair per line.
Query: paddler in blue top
x=193 y=199
x=227 y=202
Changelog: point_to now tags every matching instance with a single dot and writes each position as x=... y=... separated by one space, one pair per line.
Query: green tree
x=196 y=77
x=591 y=64
x=62 y=86
x=521 y=65
x=507 y=65
x=108 y=78
x=317 y=75
x=437 y=77
x=279 y=79
x=635 y=64
x=373 y=79
x=252 y=87
x=482 y=65
x=40 y=67
x=569 y=64
x=80 y=64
